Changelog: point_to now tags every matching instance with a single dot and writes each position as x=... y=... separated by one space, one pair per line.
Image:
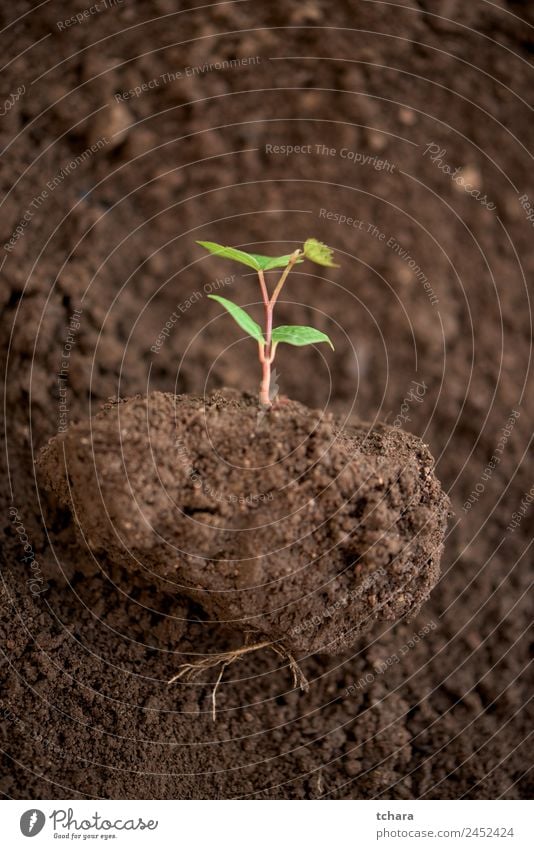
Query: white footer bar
x=267 y=824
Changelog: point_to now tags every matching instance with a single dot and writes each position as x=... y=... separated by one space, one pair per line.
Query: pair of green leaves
x=312 y=249
x=256 y=261
x=292 y=334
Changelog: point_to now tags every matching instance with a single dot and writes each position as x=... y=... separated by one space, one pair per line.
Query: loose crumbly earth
x=435 y=708
x=282 y=525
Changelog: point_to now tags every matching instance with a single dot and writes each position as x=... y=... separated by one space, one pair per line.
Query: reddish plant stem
x=268 y=314
x=266 y=353
x=265 y=399
x=263 y=286
x=265 y=349
x=294 y=257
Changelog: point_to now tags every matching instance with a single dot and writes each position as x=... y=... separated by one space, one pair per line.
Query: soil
x=283 y=525
x=104 y=296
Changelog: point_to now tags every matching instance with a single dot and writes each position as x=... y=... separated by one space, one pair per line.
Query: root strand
x=191 y=671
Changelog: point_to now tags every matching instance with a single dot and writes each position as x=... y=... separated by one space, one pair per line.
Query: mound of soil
x=282 y=524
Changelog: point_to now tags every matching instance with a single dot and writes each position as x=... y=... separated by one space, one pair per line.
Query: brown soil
x=436 y=707
x=282 y=525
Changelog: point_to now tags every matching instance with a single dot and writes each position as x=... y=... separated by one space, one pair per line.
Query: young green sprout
x=270 y=338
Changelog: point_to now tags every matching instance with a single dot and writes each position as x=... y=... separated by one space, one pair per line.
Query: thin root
x=191 y=671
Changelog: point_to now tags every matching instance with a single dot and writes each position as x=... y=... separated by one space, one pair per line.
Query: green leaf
x=242 y=318
x=319 y=253
x=268 y=262
x=296 y=335
x=231 y=253
x=256 y=261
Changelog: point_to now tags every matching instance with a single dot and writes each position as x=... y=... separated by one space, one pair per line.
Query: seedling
x=269 y=338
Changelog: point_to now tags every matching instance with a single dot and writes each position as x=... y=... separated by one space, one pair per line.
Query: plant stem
x=263 y=286
x=294 y=257
x=265 y=351
x=265 y=399
x=268 y=313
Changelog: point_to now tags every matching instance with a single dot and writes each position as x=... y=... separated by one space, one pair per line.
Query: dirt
x=104 y=296
x=283 y=525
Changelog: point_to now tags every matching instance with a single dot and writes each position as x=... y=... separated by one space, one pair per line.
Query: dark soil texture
x=399 y=135
x=283 y=525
